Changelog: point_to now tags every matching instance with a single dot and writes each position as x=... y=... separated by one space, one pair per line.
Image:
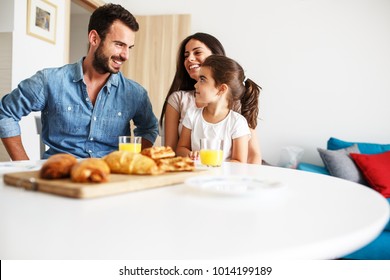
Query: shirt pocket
x=69 y=118
x=116 y=122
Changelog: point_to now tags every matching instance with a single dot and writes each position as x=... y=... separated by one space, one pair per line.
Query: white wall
x=6 y=16
x=30 y=54
x=323 y=64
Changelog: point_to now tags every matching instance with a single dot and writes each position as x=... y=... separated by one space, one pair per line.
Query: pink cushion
x=376 y=170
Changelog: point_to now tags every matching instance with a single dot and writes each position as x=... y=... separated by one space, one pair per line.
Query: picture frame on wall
x=42 y=20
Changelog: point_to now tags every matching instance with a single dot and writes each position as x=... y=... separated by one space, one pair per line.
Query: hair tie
x=243 y=82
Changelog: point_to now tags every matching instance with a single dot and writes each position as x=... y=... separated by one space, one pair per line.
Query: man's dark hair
x=104 y=16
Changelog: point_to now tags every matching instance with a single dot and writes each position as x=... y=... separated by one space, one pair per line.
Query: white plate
x=232 y=185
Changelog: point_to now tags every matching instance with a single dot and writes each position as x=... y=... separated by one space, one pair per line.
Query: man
x=84 y=106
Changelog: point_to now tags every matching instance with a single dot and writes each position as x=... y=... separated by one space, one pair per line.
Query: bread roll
x=57 y=166
x=125 y=162
x=90 y=170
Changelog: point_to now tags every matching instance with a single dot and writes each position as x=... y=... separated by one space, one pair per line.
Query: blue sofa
x=379 y=249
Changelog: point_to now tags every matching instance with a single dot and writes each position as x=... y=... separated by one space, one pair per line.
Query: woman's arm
x=145 y=143
x=240 y=149
x=254 y=153
x=171 y=124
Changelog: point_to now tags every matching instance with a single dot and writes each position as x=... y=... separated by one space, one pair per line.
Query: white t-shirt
x=232 y=127
x=181 y=101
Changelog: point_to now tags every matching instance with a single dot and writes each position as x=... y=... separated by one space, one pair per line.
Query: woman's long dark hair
x=182 y=80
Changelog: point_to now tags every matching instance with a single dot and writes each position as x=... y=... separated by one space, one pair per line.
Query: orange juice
x=211 y=157
x=130 y=147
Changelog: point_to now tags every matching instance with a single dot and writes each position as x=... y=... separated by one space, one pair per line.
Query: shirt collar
x=78 y=70
x=113 y=80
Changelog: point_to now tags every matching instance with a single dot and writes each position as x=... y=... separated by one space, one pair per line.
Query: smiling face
x=194 y=55
x=114 y=49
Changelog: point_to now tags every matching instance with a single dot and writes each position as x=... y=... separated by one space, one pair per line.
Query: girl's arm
x=240 y=149
x=184 y=145
x=171 y=124
x=254 y=153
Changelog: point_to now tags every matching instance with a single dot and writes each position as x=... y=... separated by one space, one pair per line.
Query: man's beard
x=101 y=62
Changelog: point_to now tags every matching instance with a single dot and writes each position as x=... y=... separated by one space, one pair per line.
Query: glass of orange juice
x=211 y=152
x=130 y=143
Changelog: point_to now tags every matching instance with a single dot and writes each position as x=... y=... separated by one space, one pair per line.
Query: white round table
x=311 y=217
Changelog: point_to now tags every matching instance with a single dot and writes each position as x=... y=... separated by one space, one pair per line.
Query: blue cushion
x=364 y=148
x=312 y=168
x=387 y=228
x=379 y=249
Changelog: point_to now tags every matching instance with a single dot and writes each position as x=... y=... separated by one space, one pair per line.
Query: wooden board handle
x=26 y=183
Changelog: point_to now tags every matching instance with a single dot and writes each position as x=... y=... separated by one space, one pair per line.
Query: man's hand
x=15 y=148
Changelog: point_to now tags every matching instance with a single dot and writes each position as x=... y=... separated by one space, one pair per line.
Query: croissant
x=57 y=166
x=90 y=170
x=125 y=162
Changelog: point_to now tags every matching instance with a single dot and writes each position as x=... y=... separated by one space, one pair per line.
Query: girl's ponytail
x=250 y=102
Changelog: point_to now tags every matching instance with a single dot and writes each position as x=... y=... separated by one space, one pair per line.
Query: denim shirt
x=70 y=122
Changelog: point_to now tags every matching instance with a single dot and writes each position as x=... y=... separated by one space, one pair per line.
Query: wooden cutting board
x=119 y=183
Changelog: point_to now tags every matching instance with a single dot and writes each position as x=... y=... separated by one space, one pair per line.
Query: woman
x=192 y=52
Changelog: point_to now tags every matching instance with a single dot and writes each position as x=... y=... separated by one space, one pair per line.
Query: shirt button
x=120 y=114
x=89 y=151
x=87 y=99
x=91 y=138
x=69 y=108
x=94 y=118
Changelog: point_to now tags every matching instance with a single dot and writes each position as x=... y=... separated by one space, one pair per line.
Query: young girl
x=221 y=83
x=192 y=52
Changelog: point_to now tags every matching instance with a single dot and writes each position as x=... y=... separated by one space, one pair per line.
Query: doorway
x=79 y=18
